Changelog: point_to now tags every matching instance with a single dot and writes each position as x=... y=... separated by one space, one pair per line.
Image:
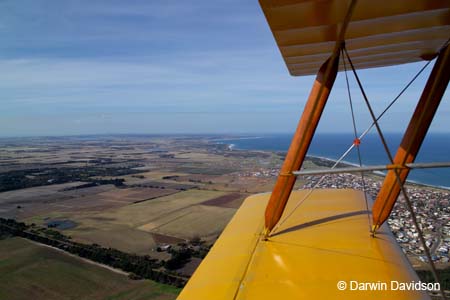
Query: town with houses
x=430 y=204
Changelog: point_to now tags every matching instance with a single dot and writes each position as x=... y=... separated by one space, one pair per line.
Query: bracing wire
x=377 y=126
x=369 y=107
x=399 y=182
x=361 y=136
x=357 y=140
x=403 y=190
x=420 y=233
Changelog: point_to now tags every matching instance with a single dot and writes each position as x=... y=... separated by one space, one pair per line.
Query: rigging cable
x=344 y=155
x=369 y=107
x=399 y=182
x=357 y=141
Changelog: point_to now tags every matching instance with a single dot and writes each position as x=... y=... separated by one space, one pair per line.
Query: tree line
x=137 y=265
x=20 y=179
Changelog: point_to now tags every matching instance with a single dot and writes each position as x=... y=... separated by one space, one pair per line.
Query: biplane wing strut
x=412 y=140
x=301 y=141
x=403 y=162
x=400 y=166
x=303 y=256
x=305 y=130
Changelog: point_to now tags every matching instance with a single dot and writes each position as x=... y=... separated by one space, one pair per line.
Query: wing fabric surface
x=324 y=242
x=379 y=34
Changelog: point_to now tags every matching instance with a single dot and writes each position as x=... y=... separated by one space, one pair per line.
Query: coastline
x=380 y=173
x=344 y=163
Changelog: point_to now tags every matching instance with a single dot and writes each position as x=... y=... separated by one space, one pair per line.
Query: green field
x=30 y=271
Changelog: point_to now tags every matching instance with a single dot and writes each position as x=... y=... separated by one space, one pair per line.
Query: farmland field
x=23 y=264
x=233 y=200
x=127 y=218
x=141 y=213
x=113 y=221
x=134 y=194
x=129 y=228
x=199 y=220
x=142 y=195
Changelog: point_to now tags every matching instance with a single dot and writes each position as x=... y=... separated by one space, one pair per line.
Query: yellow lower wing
x=325 y=241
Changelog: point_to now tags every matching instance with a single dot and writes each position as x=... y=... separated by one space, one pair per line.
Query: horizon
x=224 y=134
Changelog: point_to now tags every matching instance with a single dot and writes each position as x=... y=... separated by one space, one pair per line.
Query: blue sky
x=86 y=67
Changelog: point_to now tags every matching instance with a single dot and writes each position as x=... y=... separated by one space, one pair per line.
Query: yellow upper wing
x=380 y=33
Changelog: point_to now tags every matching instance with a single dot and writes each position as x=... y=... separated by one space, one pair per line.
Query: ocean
x=435 y=148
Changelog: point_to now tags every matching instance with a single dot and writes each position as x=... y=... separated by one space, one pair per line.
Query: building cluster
x=261 y=173
x=431 y=207
x=433 y=215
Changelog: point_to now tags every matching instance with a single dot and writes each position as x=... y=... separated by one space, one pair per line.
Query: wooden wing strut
x=301 y=141
x=412 y=140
